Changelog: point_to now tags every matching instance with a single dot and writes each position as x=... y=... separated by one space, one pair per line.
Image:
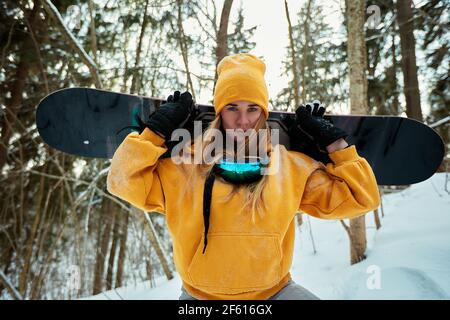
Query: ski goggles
x=248 y=171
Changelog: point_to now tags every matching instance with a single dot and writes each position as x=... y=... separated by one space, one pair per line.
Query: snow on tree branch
x=53 y=12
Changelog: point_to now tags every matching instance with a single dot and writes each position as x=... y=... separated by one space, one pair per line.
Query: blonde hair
x=254 y=200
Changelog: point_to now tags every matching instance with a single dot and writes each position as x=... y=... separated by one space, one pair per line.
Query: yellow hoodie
x=244 y=260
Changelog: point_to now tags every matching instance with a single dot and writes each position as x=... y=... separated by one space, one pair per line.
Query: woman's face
x=240 y=115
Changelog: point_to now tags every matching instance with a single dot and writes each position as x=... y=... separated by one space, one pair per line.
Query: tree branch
x=10 y=287
x=53 y=12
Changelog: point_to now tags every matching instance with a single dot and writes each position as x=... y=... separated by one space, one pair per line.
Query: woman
x=232 y=226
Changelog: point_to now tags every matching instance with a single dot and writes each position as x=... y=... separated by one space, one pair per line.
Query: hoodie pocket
x=235 y=263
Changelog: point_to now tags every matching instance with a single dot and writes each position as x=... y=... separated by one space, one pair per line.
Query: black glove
x=310 y=120
x=171 y=115
x=301 y=142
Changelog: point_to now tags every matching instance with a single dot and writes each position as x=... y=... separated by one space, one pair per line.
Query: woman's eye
x=252 y=109
x=231 y=108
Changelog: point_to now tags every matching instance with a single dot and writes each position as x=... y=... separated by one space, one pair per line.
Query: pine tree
x=319 y=68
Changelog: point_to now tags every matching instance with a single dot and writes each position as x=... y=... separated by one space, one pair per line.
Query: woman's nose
x=242 y=119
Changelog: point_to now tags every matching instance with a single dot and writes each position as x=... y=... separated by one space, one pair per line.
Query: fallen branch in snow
x=345 y=227
x=151 y=232
x=10 y=286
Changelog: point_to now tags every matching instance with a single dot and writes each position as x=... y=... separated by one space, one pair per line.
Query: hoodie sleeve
x=346 y=188
x=133 y=176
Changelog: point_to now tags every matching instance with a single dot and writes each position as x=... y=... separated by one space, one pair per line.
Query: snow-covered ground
x=408 y=258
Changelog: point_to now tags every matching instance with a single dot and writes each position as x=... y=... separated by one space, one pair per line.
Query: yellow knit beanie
x=241 y=77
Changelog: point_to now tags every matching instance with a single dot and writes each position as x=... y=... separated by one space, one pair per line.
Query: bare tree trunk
x=408 y=49
x=135 y=80
x=112 y=251
x=41 y=211
x=381 y=202
x=24 y=274
x=122 y=251
x=357 y=62
x=358 y=239
x=305 y=50
x=151 y=232
x=149 y=269
x=294 y=58
x=125 y=58
x=357 y=248
x=395 y=102
x=222 y=34
x=39 y=56
x=17 y=87
x=184 y=49
x=50 y=254
x=299 y=219
x=53 y=215
x=357 y=56
x=103 y=247
x=377 y=219
x=92 y=31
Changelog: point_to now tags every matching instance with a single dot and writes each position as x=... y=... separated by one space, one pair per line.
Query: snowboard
x=92 y=123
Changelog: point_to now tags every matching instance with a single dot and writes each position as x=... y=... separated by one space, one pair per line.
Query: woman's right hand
x=171 y=115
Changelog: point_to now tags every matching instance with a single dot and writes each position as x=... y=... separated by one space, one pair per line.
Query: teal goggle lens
x=240 y=172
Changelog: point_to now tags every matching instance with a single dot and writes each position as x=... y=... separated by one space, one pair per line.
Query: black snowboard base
x=90 y=123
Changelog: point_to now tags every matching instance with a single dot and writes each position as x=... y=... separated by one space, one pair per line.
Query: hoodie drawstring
x=207 y=194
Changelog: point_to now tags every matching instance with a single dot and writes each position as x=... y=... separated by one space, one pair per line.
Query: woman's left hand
x=310 y=120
